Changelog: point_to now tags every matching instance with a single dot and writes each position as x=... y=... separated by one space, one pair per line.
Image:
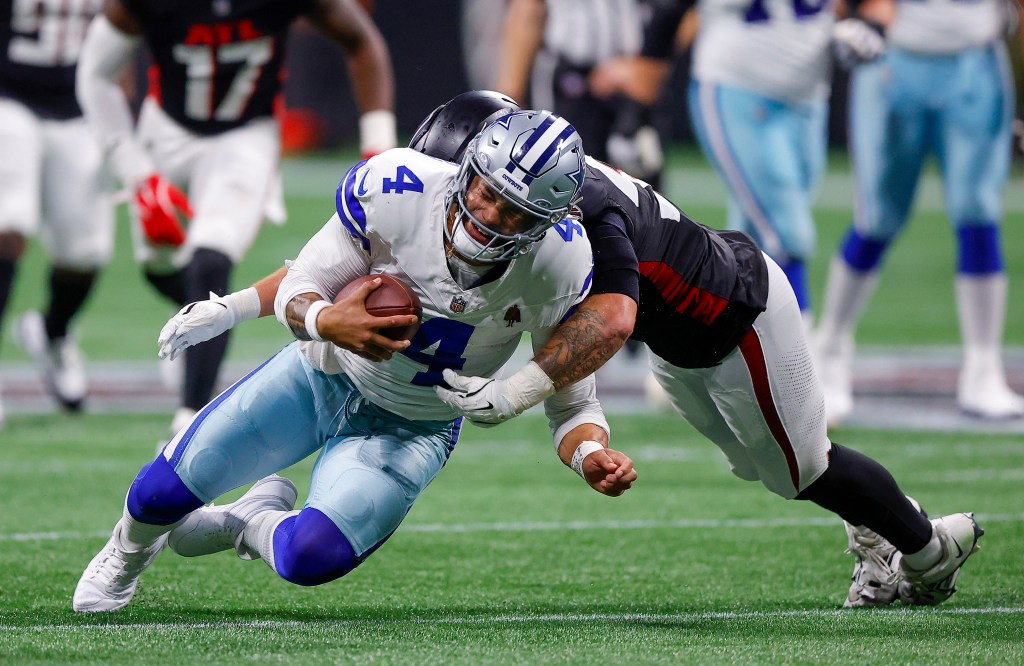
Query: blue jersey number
x=567 y=228
x=405 y=181
x=449 y=339
x=758 y=13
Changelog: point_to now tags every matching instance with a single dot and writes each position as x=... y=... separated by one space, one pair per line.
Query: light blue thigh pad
x=370 y=473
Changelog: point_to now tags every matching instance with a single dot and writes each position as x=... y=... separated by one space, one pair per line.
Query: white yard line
x=500 y=619
x=553 y=526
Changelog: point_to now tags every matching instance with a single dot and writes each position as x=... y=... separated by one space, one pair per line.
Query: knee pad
x=158 y=496
x=309 y=549
x=862 y=254
x=978 y=251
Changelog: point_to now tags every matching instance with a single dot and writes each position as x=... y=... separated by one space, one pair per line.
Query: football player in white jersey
x=759 y=103
x=758 y=100
x=51 y=181
x=943 y=88
x=473 y=241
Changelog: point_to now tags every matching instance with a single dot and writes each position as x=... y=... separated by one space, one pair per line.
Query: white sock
x=981 y=309
x=258 y=535
x=846 y=295
x=927 y=557
x=133 y=535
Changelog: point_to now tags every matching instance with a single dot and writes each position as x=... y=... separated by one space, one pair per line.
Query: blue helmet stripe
x=520 y=154
x=349 y=209
x=552 y=147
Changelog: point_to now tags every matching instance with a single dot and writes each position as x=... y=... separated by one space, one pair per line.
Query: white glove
x=488 y=402
x=203 y=320
x=855 y=42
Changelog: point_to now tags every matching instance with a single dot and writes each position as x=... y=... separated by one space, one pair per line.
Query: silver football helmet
x=533 y=160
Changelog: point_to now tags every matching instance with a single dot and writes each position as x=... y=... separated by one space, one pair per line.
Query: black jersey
x=39 y=45
x=217 y=63
x=699 y=289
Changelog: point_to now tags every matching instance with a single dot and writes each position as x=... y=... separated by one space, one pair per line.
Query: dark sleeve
x=660 y=31
x=615 y=265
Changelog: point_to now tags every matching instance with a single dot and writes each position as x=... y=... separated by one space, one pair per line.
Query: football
x=392 y=297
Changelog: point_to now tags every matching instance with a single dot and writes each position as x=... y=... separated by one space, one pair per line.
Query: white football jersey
x=392 y=206
x=778 y=48
x=947 y=26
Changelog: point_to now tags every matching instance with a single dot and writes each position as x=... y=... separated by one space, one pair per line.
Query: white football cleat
x=109 y=581
x=876 y=571
x=985 y=394
x=834 y=363
x=958 y=533
x=212 y=529
x=59 y=361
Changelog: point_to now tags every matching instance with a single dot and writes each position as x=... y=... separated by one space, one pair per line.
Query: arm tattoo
x=577 y=348
x=295 y=312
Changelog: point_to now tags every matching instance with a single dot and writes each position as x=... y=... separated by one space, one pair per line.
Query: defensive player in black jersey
x=207 y=129
x=728 y=347
x=51 y=181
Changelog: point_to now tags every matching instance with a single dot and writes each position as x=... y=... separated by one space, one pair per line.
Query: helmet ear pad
x=449 y=129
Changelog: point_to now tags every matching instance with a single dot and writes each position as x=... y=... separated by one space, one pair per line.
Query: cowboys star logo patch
x=458 y=305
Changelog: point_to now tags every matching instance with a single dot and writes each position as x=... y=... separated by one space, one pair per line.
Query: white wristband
x=311 y=315
x=585 y=448
x=377 y=132
x=244 y=304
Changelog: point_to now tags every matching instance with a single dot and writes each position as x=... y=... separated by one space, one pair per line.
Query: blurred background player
x=51 y=180
x=548 y=52
x=943 y=88
x=207 y=127
x=758 y=100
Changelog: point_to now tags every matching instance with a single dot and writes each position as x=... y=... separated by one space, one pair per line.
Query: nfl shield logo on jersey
x=458 y=305
x=221 y=7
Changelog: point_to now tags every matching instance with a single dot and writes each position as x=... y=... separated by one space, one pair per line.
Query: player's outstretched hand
x=482 y=400
x=160 y=203
x=196 y=322
x=609 y=472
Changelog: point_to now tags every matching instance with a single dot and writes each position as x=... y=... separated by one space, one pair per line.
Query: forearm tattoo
x=578 y=347
x=295 y=313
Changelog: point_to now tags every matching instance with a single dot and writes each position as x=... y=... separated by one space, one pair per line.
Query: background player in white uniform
x=943 y=88
x=474 y=242
x=758 y=102
x=207 y=127
x=51 y=179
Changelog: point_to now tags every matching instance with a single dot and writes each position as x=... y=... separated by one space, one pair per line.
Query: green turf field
x=509 y=558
